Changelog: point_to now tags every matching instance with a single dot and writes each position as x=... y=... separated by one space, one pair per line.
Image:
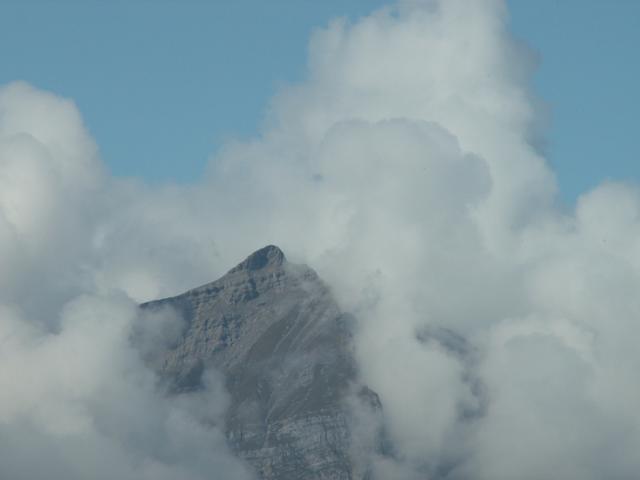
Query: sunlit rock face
x=275 y=332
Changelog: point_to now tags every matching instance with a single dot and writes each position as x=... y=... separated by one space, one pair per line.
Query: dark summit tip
x=265 y=257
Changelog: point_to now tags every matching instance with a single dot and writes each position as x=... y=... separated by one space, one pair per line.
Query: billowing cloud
x=498 y=329
x=77 y=400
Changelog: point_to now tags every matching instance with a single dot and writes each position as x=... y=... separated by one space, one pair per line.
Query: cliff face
x=273 y=329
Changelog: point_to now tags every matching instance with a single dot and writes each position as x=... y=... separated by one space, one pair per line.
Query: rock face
x=278 y=336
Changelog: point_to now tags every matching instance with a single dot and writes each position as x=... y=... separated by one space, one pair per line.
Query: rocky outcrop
x=278 y=336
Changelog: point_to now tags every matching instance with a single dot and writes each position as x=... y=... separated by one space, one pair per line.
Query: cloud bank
x=498 y=328
x=78 y=401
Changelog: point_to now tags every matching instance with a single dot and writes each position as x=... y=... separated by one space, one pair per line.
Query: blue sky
x=161 y=85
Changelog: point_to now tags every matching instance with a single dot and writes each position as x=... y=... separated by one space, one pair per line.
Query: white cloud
x=77 y=400
x=403 y=170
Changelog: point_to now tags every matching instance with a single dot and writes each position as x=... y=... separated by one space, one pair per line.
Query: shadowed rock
x=278 y=336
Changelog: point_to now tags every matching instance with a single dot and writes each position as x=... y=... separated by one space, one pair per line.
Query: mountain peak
x=284 y=347
x=269 y=256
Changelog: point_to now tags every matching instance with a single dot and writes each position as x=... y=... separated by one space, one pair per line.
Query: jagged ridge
x=277 y=334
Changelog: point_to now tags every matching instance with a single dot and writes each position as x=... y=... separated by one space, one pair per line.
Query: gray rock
x=282 y=343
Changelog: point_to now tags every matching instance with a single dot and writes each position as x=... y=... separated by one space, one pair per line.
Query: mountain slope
x=273 y=329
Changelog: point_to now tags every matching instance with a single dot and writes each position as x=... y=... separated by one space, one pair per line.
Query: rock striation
x=275 y=332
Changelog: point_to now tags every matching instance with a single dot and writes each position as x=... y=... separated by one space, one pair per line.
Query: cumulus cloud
x=78 y=401
x=498 y=329
x=80 y=404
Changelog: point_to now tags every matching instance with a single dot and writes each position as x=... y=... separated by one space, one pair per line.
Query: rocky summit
x=275 y=332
